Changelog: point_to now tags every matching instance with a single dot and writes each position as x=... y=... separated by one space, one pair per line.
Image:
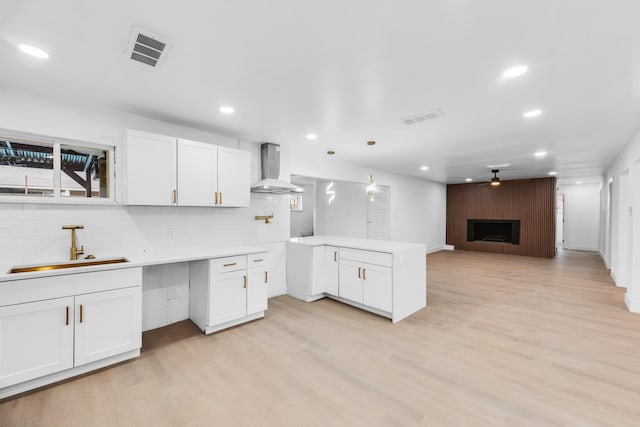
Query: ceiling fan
x=495 y=181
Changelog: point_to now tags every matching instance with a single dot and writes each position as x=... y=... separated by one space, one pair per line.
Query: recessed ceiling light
x=331 y=152
x=578 y=182
x=33 y=51
x=371 y=143
x=540 y=153
x=515 y=71
x=424 y=168
x=227 y=110
x=468 y=179
x=532 y=113
x=312 y=136
x=552 y=173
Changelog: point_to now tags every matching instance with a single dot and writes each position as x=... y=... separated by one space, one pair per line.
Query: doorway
x=560 y=220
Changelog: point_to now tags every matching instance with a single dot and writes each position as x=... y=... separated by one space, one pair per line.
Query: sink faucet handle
x=72 y=227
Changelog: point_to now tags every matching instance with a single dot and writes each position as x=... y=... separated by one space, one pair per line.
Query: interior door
x=377 y=286
x=151 y=169
x=257 y=290
x=197 y=173
x=350 y=280
x=378 y=215
x=107 y=323
x=228 y=297
x=36 y=339
x=234 y=175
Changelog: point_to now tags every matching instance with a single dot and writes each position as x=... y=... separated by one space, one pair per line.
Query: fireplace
x=494 y=230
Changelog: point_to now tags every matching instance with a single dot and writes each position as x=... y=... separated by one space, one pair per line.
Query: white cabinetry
x=225 y=292
x=108 y=323
x=384 y=277
x=36 y=339
x=150 y=169
x=331 y=270
x=197 y=173
x=164 y=171
x=234 y=177
x=53 y=328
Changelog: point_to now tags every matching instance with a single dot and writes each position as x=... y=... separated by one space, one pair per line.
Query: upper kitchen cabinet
x=165 y=171
x=151 y=177
x=234 y=177
x=197 y=173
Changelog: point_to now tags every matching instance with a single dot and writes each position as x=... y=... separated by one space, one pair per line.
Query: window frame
x=57 y=198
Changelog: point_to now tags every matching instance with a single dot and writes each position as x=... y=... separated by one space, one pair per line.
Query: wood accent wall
x=532 y=201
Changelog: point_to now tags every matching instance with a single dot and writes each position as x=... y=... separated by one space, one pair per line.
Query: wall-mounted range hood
x=271 y=182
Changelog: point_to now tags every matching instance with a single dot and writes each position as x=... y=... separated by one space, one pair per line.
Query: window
x=54 y=170
x=26 y=168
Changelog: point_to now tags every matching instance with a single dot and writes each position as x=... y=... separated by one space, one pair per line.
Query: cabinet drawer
x=256 y=260
x=370 y=257
x=231 y=263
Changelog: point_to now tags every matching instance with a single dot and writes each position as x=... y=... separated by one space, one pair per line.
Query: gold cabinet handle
x=335 y=255
x=244 y=279
x=266 y=277
x=359 y=272
x=364 y=273
x=67 y=321
x=221 y=197
x=80 y=313
x=175 y=196
x=258 y=260
x=216 y=199
x=229 y=265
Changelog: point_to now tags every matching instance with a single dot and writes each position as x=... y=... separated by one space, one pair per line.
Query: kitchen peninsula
x=384 y=277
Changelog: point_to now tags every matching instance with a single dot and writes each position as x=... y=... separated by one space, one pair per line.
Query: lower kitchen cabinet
x=331 y=279
x=225 y=292
x=36 y=339
x=44 y=337
x=377 y=289
x=66 y=333
x=351 y=280
x=107 y=323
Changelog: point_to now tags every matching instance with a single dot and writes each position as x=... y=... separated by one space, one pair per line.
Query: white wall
x=347 y=213
x=302 y=221
x=624 y=236
x=581 y=229
x=31 y=232
x=418 y=208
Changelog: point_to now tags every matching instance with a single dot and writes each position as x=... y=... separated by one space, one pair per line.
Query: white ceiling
x=349 y=70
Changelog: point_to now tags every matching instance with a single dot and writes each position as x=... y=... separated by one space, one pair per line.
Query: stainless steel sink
x=66 y=264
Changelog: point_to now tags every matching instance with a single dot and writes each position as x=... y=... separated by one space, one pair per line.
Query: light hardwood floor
x=505 y=340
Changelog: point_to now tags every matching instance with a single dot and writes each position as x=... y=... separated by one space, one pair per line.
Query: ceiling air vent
x=423 y=117
x=146 y=47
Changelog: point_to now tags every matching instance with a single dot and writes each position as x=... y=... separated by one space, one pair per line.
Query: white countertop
x=140 y=260
x=388 y=246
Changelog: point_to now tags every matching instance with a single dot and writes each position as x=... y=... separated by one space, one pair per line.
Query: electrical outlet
x=171 y=294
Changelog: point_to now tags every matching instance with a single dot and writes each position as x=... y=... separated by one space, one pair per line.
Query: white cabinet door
x=351 y=280
x=377 y=286
x=228 y=297
x=197 y=173
x=234 y=175
x=331 y=270
x=257 y=290
x=317 y=270
x=107 y=323
x=150 y=169
x=36 y=339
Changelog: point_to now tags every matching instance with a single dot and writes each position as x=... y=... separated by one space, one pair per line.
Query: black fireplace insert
x=494 y=230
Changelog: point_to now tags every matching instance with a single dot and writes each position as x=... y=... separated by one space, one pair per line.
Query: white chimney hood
x=271 y=182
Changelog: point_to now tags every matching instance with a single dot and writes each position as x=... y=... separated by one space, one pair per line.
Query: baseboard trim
x=436 y=249
x=605 y=260
x=449 y=247
x=66 y=374
x=581 y=248
x=615 y=280
x=633 y=306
